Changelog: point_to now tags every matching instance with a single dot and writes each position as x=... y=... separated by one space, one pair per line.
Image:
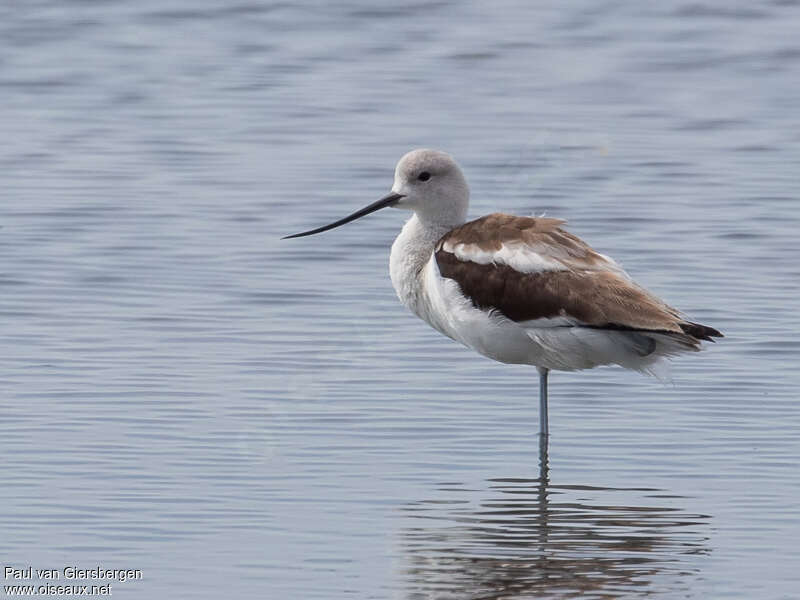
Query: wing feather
x=529 y=268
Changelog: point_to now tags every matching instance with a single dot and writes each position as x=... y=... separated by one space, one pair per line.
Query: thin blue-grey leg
x=543 y=428
x=544 y=466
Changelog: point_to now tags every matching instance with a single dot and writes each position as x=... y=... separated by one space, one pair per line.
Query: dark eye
x=424 y=176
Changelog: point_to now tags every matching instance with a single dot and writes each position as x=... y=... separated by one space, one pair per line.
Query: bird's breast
x=404 y=271
x=411 y=251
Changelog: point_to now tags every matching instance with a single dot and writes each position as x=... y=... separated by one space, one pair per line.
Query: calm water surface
x=237 y=416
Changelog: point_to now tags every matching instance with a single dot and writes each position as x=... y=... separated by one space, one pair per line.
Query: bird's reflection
x=526 y=538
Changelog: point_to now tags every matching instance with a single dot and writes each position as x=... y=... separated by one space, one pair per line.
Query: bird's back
x=575 y=304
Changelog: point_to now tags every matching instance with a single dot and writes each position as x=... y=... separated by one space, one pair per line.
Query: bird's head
x=428 y=182
x=431 y=184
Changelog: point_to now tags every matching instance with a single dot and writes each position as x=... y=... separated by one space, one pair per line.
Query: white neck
x=410 y=253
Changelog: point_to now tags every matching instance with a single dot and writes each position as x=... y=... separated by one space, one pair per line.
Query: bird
x=518 y=289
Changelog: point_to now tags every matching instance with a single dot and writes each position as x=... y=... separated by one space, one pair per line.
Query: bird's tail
x=669 y=344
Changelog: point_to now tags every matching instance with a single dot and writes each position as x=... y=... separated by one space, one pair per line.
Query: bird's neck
x=411 y=251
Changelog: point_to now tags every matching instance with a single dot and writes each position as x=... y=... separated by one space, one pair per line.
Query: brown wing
x=529 y=268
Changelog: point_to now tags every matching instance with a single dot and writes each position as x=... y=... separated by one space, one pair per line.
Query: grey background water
x=238 y=416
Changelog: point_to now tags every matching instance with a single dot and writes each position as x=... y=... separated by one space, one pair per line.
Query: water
x=237 y=416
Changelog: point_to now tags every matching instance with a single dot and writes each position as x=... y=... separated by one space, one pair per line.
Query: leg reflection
x=517 y=536
x=544 y=464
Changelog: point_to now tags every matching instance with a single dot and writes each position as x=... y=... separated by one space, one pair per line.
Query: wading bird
x=519 y=290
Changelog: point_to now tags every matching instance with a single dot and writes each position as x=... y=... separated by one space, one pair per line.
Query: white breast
x=410 y=252
x=446 y=309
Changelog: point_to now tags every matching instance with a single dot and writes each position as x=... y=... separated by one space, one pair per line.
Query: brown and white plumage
x=529 y=268
x=519 y=289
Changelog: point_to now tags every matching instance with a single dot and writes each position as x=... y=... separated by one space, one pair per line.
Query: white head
x=428 y=182
x=432 y=185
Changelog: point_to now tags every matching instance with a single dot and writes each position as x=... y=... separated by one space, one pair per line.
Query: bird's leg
x=543 y=428
x=544 y=467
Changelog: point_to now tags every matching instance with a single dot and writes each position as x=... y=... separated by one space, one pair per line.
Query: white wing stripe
x=518 y=256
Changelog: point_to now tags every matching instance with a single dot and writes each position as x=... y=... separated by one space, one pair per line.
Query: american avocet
x=519 y=289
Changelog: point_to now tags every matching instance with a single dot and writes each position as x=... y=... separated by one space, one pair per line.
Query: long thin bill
x=389 y=200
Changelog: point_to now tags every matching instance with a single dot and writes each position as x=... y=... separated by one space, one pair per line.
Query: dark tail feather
x=701 y=332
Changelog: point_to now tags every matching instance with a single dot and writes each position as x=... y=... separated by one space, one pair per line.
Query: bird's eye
x=424 y=176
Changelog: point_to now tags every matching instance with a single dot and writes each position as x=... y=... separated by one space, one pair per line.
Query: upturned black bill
x=389 y=200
